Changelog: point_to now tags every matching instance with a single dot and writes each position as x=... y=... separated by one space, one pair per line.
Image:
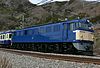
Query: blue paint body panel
x=54 y=32
x=5 y=42
x=52 y=36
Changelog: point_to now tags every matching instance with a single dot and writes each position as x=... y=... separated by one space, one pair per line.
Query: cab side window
x=72 y=26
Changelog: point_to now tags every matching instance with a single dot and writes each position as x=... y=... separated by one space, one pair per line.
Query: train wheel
x=29 y=45
x=56 y=48
x=67 y=48
x=33 y=47
x=36 y=47
x=22 y=46
x=39 y=47
x=51 y=48
x=45 y=47
x=42 y=47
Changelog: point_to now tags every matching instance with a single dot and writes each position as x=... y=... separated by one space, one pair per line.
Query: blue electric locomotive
x=73 y=36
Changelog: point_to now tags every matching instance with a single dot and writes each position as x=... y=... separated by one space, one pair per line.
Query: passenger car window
x=3 y=36
x=10 y=35
x=0 y=36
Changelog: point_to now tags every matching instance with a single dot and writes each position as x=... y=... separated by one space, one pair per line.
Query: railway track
x=65 y=57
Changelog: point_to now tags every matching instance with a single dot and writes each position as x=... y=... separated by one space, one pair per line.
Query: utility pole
x=83 y=3
x=22 y=20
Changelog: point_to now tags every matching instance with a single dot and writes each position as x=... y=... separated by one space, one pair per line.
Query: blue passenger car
x=5 y=38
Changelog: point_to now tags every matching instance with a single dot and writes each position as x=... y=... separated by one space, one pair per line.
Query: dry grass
x=97 y=43
x=5 y=63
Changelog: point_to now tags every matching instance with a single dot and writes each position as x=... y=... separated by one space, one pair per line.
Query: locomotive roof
x=68 y=21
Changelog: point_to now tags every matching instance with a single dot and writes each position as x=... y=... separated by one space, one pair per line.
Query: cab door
x=71 y=29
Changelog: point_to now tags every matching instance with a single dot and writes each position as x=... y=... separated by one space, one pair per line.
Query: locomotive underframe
x=62 y=48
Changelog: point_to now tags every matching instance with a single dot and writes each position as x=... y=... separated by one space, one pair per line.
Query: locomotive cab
x=83 y=36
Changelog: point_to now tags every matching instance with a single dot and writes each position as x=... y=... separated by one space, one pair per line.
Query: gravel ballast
x=23 y=61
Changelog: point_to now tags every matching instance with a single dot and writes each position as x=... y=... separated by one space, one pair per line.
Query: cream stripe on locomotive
x=84 y=35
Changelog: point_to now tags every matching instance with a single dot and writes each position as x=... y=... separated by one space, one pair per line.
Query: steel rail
x=64 y=57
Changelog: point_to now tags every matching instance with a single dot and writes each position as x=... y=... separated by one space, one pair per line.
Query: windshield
x=74 y=26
